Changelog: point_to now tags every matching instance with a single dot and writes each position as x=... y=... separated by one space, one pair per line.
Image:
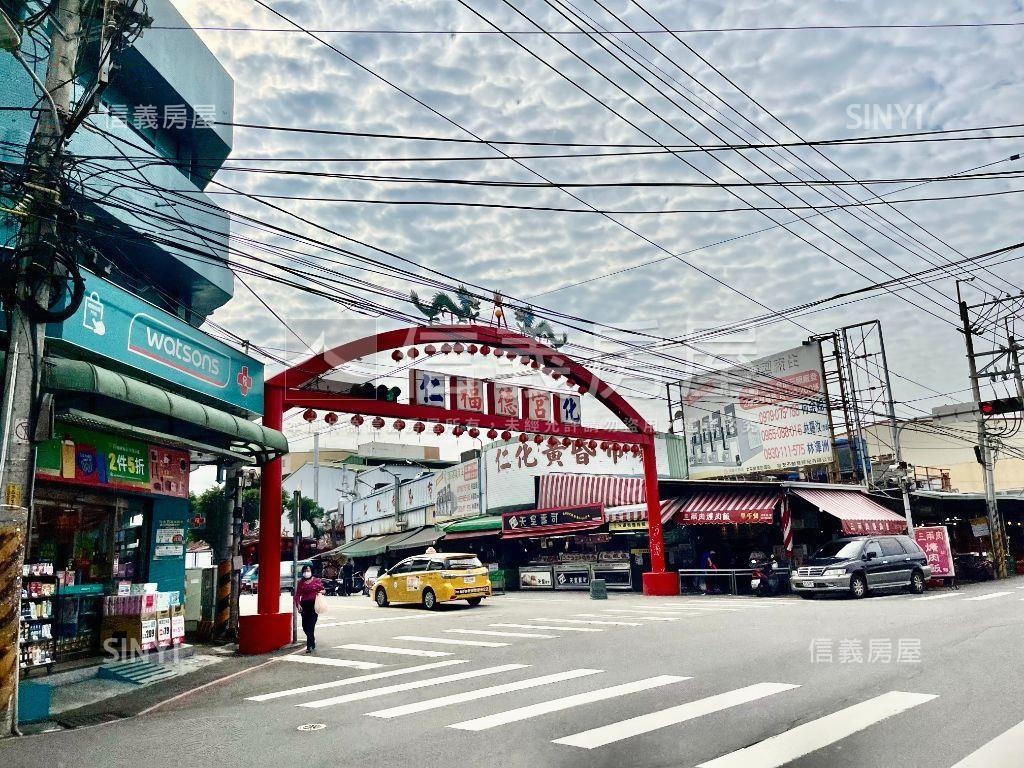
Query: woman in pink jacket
x=305 y=598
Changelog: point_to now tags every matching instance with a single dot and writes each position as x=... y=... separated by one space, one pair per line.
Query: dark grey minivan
x=860 y=564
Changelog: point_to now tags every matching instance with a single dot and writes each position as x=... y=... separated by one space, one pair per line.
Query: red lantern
x=492 y=434
x=418 y=427
x=524 y=437
x=474 y=432
x=356 y=421
x=430 y=349
x=377 y=423
x=506 y=435
x=510 y=355
x=535 y=365
x=397 y=355
x=592 y=444
x=458 y=430
x=446 y=348
x=553 y=442
x=471 y=349
x=604 y=446
x=556 y=375
x=439 y=429
x=582 y=390
x=498 y=353
x=399 y=425
x=484 y=350
x=565 y=442
x=413 y=353
x=458 y=349
x=538 y=439
x=331 y=418
x=569 y=382
x=635 y=450
x=309 y=415
x=614 y=447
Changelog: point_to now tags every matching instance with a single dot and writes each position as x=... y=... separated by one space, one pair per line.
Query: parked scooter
x=766 y=579
x=332 y=587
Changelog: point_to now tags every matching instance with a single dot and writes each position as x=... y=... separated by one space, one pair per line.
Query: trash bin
x=598 y=589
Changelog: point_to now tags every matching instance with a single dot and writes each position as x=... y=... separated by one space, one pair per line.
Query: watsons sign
x=152 y=339
x=113 y=324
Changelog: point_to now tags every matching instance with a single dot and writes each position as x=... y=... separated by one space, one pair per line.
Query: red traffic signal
x=1002 y=405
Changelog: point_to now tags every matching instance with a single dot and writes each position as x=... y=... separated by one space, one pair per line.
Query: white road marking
x=567 y=702
x=373 y=621
x=354 y=680
x=1020 y=587
x=486 y=632
x=547 y=626
x=374 y=692
x=482 y=693
x=809 y=737
x=990 y=596
x=635 y=726
x=327 y=661
x=450 y=641
x=389 y=649
x=585 y=621
x=1002 y=752
x=671 y=615
x=631 y=616
x=941 y=596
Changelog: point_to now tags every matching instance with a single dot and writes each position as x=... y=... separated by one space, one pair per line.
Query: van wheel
x=474 y=600
x=429 y=599
x=917 y=582
x=858 y=587
x=381 y=597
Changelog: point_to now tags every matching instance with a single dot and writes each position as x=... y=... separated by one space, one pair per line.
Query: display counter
x=616 y=575
x=536 y=577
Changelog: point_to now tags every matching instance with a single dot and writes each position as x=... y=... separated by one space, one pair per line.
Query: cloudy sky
x=679 y=276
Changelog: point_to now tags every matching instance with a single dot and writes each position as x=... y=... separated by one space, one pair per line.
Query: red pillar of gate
x=269 y=629
x=658 y=581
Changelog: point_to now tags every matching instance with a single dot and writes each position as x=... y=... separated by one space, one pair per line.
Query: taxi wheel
x=474 y=601
x=381 y=597
x=429 y=599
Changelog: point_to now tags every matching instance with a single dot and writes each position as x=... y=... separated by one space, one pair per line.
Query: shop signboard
x=628 y=525
x=81 y=456
x=548 y=521
x=934 y=540
x=169 y=539
x=503 y=399
x=568 y=577
x=535 y=578
x=979 y=527
x=567 y=409
x=767 y=415
x=457 y=491
x=117 y=325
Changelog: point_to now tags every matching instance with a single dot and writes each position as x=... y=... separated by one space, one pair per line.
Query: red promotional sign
x=934 y=540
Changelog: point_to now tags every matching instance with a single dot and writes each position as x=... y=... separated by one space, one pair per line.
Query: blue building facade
x=142 y=394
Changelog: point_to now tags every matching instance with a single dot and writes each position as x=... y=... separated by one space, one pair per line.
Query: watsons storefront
x=139 y=398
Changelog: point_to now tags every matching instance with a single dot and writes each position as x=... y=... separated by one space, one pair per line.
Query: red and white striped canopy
x=634 y=512
x=721 y=507
x=858 y=513
x=566 y=490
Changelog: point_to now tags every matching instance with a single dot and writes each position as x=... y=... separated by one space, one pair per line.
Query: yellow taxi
x=435 y=578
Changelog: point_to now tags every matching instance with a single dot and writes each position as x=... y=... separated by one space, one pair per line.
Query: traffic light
x=368 y=391
x=1002 y=405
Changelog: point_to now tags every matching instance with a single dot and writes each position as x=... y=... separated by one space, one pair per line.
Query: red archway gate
x=303 y=386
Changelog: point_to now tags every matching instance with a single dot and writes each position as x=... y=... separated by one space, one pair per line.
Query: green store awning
x=220 y=428
x=479 y=524
x=420 y=538
x=368 y=546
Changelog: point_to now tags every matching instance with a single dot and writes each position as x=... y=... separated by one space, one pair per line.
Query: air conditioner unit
x=401 y=525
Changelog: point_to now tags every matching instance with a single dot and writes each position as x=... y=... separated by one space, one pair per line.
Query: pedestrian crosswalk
x=614 y=708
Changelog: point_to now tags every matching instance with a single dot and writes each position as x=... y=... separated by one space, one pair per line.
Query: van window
x=872 y=546
x=911 y=546
x=891 y=547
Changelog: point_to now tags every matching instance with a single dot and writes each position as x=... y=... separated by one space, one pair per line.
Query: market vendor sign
x=934 y=540
x=116 y=325
x=547 y=522
x=85 y=457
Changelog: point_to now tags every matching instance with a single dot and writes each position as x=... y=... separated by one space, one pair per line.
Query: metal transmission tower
x=993 y=356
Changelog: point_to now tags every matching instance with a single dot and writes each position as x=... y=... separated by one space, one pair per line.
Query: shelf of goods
x=39 y=595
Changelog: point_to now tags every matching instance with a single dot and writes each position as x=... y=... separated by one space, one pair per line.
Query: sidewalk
x=83 y=698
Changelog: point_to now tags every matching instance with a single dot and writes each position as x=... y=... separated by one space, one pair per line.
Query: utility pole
x=225 y=562
x=316 y=468
x=985 y=455
x=37 y=243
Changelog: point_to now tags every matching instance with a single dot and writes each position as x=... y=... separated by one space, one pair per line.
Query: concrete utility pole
x=26 y=339
x=225 y=547
x=986 y=455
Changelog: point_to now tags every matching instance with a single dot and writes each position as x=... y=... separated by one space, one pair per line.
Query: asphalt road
x=891 y=680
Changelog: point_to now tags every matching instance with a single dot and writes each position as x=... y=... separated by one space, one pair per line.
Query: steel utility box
x=200 y=596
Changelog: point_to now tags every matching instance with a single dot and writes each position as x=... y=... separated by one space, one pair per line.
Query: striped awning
x=567 y=490
x=857 y=512
x=629 y=513
x=719 y=507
